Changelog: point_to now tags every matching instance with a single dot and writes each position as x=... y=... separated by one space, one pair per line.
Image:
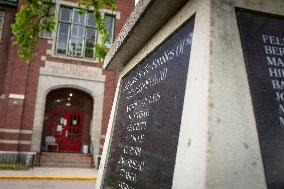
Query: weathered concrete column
x=220 y=142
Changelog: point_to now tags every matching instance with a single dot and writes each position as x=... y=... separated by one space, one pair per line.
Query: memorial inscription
x=145 y=134
x=263 y=43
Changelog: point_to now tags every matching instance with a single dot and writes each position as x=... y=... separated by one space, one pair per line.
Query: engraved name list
x=145 y=133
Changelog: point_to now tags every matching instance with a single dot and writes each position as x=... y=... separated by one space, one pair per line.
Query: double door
x=66 y=127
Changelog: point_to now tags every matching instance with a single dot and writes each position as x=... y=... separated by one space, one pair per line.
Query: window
x=2 y=15
x=44 y=33
x=109 y=21
x=76 y=32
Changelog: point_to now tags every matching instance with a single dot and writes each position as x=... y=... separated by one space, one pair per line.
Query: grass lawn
x=12 y=166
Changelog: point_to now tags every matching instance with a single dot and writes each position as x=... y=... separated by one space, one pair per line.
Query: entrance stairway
x=52 y=159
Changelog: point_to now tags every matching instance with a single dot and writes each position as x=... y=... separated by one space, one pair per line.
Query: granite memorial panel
x=262 y=38
x=145 y=134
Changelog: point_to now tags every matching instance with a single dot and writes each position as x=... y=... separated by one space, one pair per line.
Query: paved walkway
x=51 y=173
x=47 y=184
x=49 y=178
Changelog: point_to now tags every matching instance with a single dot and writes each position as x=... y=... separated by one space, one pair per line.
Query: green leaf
x=36 y=16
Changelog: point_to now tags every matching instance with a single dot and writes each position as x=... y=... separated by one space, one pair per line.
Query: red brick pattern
x=9 y=147
x=15 y=136
x=18 y=77
x=5 y=42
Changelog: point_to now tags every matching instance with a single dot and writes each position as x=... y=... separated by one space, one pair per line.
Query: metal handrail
x=91 y=150
x=17 y=160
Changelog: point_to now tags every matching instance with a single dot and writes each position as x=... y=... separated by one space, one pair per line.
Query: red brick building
x=61 y=100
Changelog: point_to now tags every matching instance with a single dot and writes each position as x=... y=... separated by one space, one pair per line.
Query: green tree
x=37 y=15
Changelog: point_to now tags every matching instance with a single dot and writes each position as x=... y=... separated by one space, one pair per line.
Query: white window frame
x=53 y=39
x=71 y=25
x=113 y=27
x=2 y=17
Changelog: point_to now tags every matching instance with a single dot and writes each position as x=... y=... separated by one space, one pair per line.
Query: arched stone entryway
x=67 y=119
x=60 y=75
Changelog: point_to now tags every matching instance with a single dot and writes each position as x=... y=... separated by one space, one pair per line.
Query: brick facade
x=19 y=82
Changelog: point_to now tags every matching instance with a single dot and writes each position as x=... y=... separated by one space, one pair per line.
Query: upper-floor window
x=110 y=21
x=44 y=33
x=2 y=15
x=76 y=33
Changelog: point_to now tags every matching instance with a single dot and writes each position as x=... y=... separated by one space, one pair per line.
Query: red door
x=66 y=126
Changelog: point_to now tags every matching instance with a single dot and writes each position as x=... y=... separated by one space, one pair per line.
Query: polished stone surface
x=146 y=130
x=263 y=43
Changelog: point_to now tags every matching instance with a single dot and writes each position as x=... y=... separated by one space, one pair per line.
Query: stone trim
x=17 y=96
x=51 y=53
x=43 y=58
x=16 y=131
x=16 y=152
x=76 y=71
x=103 y=136
x=26 y=142
x=108 y=11
x=48 y=83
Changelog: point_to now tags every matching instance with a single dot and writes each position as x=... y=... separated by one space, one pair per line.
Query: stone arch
x=48 y=83
x=86 y=90
x=76 y=107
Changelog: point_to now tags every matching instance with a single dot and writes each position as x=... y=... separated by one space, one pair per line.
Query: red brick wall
x=11 y=81
x=5 y=41
x=32 y=85
x=4 y=51
x=18 y=77
x=15 y=136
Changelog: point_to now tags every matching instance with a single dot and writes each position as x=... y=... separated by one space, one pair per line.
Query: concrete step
x=66 y=157
x=78 y=165
x=65 y=161
x=51 y=159
x=58 y=154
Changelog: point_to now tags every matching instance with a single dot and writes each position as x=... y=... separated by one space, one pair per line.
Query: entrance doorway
x=66 y=125
x=67 y=120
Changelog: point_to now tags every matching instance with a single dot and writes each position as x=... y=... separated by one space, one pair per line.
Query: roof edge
x=145 y=20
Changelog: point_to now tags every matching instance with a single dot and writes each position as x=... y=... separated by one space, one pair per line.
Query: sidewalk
x=47 y=173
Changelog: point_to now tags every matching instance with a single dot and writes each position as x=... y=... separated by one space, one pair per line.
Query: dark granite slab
x=145 y=135
x=263 y=44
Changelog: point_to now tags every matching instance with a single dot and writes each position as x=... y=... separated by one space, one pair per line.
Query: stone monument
x=199 y=102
